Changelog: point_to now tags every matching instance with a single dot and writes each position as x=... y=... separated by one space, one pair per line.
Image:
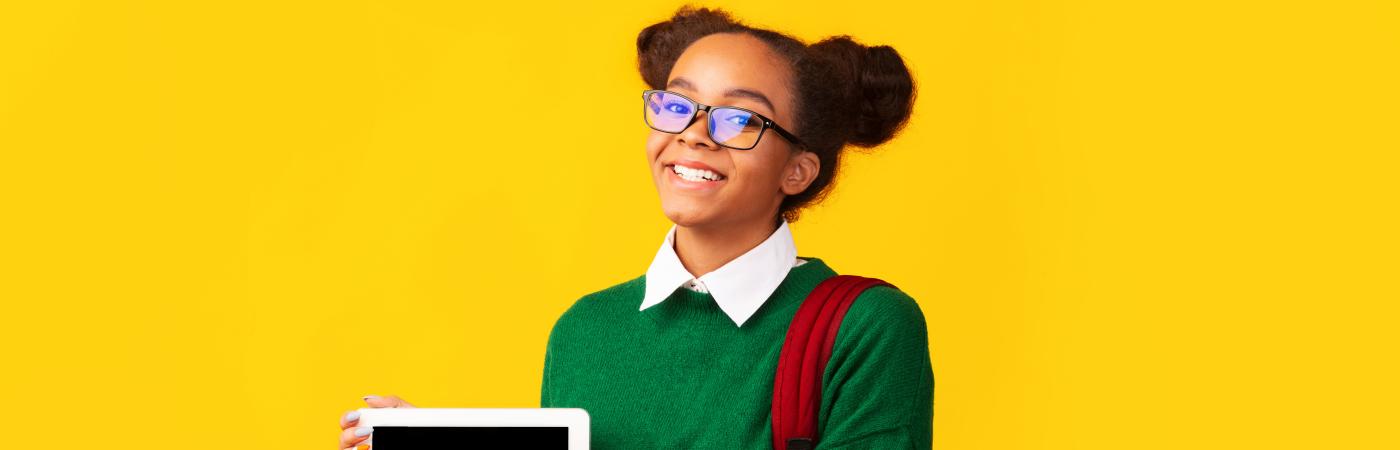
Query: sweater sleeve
x=546 y=399
x=544 y=380
x=878 y=386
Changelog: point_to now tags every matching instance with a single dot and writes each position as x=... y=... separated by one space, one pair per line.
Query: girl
x=748 y=127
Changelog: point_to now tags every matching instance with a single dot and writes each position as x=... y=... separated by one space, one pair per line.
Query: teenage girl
x=748 y=128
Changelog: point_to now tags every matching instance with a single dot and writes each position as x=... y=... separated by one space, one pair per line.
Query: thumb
x=388 y=401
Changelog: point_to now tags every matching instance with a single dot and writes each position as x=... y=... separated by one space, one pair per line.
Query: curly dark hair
x=846 y=92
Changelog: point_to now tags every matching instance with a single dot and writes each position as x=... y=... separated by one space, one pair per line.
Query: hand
x=351 y=434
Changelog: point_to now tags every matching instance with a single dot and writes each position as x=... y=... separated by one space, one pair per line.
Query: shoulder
x=884 y=313
x=610 y=300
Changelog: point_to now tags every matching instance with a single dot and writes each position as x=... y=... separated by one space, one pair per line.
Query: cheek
x=656 y=142
x=758 y=170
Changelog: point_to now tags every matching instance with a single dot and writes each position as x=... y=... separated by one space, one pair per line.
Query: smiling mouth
x=693 y=174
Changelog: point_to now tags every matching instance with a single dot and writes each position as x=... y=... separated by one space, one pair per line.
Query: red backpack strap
x=797 y=387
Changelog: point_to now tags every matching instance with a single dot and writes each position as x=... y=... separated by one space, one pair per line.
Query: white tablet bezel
x=576 y=419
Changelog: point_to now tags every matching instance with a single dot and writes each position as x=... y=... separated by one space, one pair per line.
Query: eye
x=738 y=119
x=678 y=108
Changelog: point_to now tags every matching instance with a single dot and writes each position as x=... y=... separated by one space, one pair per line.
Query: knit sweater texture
x=681 y=374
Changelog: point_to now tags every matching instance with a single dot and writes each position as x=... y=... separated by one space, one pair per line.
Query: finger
x=388 y=401
x=349 y=419
x=354 y=435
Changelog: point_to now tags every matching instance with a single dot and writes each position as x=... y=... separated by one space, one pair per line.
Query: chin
x=686 y=216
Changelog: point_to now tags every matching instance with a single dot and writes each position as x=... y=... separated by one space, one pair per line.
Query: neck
x=703 y=249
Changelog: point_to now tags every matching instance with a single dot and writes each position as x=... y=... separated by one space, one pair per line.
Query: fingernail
x=352 y=416
x=363 y=431
x=367 y=397
x=362 y=447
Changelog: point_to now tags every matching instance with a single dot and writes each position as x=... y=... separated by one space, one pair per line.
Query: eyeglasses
x=729 y=126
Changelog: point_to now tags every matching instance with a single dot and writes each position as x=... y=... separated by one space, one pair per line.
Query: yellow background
x=1130 y=224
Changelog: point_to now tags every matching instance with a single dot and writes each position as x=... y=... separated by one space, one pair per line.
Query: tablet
x=476 y=428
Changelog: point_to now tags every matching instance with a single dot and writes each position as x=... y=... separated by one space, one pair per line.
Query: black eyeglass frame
x=765 y=123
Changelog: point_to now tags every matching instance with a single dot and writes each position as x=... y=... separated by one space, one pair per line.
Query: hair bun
x=882 y=90
x=660 y=45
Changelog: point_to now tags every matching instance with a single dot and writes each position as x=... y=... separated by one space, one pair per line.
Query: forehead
x=718 y=69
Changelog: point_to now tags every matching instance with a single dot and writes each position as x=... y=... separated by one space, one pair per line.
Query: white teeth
x=691 y=174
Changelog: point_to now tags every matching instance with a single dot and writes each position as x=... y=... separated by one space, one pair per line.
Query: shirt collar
x=739 y=287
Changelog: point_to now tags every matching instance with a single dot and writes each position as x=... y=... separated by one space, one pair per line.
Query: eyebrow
x=732 y=93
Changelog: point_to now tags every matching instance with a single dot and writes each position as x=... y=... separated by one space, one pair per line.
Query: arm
x=546 y=400
x=877 y=391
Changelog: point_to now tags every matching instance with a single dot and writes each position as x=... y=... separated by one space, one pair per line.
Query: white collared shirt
x=739 y=287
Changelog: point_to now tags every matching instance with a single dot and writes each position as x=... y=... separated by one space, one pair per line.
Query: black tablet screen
x=453 y=438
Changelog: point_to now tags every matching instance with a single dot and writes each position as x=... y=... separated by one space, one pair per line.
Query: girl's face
x=729 y=70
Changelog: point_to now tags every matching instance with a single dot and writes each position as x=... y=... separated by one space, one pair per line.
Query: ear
x=800 y=172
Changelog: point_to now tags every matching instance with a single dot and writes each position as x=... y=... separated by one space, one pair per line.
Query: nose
x=698 y=133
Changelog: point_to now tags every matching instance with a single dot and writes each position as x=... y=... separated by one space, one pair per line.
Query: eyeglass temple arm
x=786 y=135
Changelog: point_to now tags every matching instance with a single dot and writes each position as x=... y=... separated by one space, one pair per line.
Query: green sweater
x=681 y=375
